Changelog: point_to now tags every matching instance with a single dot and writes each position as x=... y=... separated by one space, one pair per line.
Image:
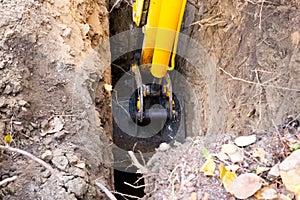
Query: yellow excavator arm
x=161 y=21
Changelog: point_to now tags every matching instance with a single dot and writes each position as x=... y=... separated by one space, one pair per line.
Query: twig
x=29 y=155
x=10 y=179
x=134 y=186
x=106 y=191
x=142 y=157
x=260 y=98
x=127 y=195
x=260 y=14
x=182 y=174
x=118 y=66
x=279 y=137
x=116 y=3
x=118 y=102
x=255 y=83
x=176 y=178
x=136 y=163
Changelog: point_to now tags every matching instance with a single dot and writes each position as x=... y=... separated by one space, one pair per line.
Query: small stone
x=163 y=147
x=2 y=127
x=84 y=29
x=67 y=32
x=73 y=159
x=8 y=89
x=2 y=65
x=47 y=156
x=73 y=53
x=9 y=33
x=34 y=125
x=66 y=178
x=57 y=152
x=77 y=172
x=60 y=135
x=77 y=186
x=243 y=141
x=44 y=123
x=2 y=102
x=46 y=173
x=61 y=162
x=36 y=139
x=80 y=165
x=22 y=102
x=64 y=99
x=46 y=141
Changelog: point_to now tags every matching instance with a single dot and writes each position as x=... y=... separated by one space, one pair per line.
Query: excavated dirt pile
x=50 y=66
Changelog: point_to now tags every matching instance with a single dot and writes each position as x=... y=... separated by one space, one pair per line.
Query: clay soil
x=55 y=62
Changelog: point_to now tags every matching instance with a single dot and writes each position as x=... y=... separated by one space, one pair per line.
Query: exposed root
x=127 y=195
x=29 y=155
x=106 y=191
x=263 y=84
x=10 y=179
x=141 y=169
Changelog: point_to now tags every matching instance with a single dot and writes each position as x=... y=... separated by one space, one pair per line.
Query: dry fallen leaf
x=245 y=185
x=284 y=197
x=295 y=37
x=206 y=196
x=260 y=170
x=274 y=172
x=193 y=196
x=260 y=153
x=54 y=125
x=209 y=167
x=229 y=148
x=267 y=193
x=243 y=141
x=235 y=154
x=7 y=139
x=232 y=168
x=290 y=172
x=226 y=176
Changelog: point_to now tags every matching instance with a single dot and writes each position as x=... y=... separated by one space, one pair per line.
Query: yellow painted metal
x=177 y=35
x=160 y=33
x=150 y=30
x=137 y=11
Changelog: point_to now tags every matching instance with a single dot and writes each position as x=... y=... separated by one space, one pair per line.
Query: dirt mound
x=179 y=172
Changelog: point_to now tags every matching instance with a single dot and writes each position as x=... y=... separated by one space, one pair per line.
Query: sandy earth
x=50 y=73
x=54 y=62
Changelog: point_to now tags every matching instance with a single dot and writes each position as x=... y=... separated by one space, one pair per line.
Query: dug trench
x=125 y=36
